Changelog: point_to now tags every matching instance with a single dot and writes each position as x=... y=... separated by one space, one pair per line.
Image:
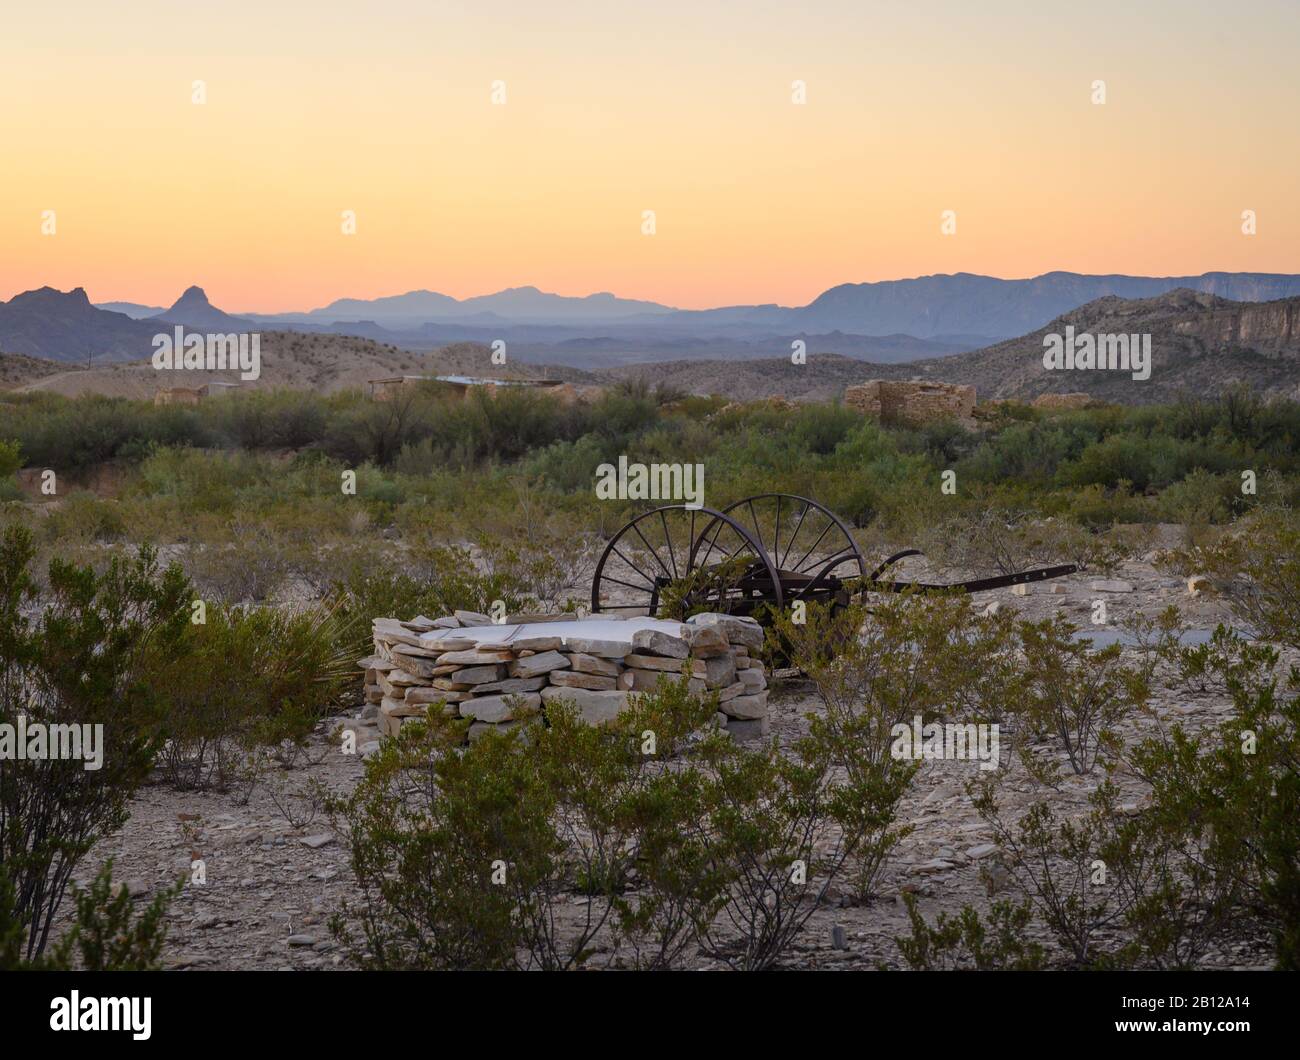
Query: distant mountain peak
x=193 y=298
x=52 y=295
x=192 y=309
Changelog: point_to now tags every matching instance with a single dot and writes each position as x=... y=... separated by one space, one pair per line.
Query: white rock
x=535 y=665
x=696 y=667
x=513 y=685
x=638 y=680
x=738 y=629
x=707 y=641
x=1110 y=585
x=574 y=679
x=478 y=675
x=749 y=728
x=606 y=649
x=591 y=664
x=593 y=707
x=475 y=657
x=434 y=695
x=657 y=643
x=499 y=708
x=754 y=706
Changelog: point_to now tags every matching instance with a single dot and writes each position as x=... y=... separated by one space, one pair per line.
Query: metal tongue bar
x=978 y=584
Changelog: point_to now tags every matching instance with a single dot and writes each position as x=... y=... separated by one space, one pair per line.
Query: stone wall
x=488 y=673
x=914 y=402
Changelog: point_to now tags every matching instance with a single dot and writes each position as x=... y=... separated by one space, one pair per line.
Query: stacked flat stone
x=489 y=673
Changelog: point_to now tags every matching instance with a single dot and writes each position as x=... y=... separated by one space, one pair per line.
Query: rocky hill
x=64 y=326
x=1200 y=343
x=17 y=370
x=290 y=359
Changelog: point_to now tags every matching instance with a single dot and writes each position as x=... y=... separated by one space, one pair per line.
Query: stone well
x=486 y=672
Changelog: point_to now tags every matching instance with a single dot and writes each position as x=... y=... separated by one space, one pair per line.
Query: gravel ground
x=271 y=887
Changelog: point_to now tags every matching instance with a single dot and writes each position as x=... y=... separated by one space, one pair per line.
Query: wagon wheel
x=813 y=551
x=663 y=553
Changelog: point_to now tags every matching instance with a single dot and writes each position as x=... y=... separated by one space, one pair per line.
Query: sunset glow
x=611 y=110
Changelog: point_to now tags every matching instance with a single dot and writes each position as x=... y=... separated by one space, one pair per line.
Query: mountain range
x=890 y=322
x=1200 y=344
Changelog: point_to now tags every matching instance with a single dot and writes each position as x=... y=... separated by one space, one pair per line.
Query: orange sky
x=681 y=108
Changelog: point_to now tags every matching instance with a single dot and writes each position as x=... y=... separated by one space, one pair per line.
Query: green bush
x=244 y=679
x=968 y=942
x=105 y=936
x=84 y=661
x=1227 y=800
x=465 y=856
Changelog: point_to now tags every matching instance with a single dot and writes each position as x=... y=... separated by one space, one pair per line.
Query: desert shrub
x=1024 y=451
x=10 y=459
x=820 y=428
x=1060 y=865
x=245 y=679
x=621 y=413
x=944 y=442
x=629 y=817
x=105 y=935
x=677 y=837
x=277 y=419
x=1075 y=694
x=1176 y=905
x=1223 y=662
x=781 y=828
x=247 y=562
x=1256 y=566
x=1144 y=461
x=1228 y=799
x=676 y=886
x=908 y=658
x=465 y=854
x=997 y=540
x=1200 y=499
x=433 y=580
x=456 y=853
x=84 y=661
x=75 y=435
x=568 y=466
x=966 y=941
x=84 y=518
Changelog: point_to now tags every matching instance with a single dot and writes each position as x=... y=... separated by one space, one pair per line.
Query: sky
x=612 y=109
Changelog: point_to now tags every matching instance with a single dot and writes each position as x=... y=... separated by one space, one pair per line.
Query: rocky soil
x=273 y=881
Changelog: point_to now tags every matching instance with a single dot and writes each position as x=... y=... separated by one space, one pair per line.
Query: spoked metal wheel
x=664 y=561
x=813 y=551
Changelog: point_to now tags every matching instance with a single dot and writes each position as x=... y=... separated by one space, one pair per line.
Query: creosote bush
x=681 y=840
x=105 y=934
x=969 y=942
x=82 y=664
